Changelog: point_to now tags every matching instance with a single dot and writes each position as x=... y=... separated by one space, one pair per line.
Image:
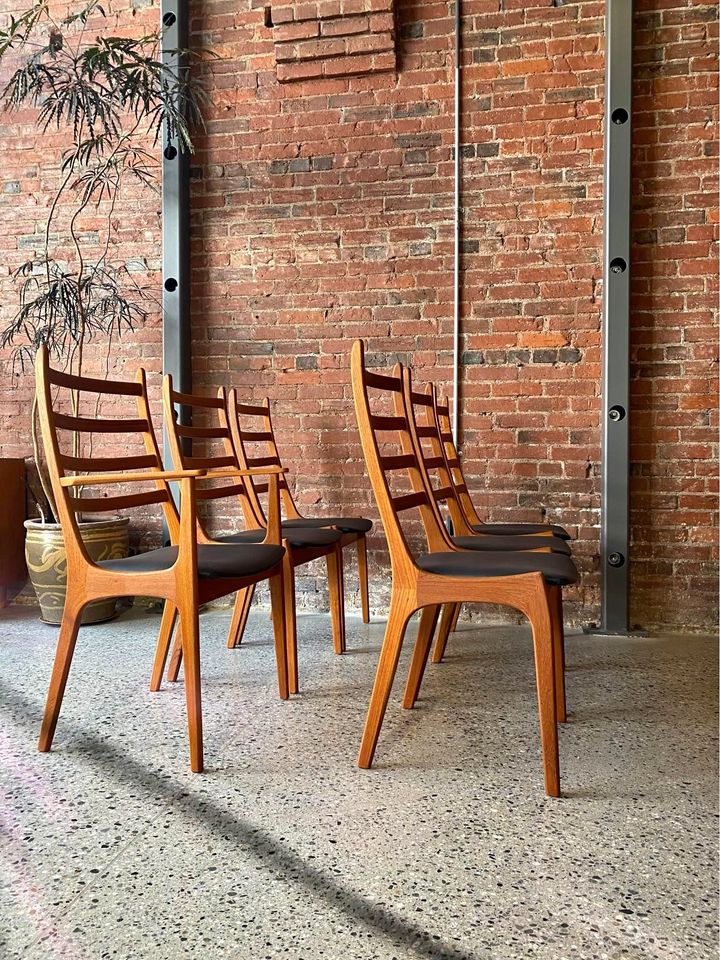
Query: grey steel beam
x=614 y=541
x=176 y=224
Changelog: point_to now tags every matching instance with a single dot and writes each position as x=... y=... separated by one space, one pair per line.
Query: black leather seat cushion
x=296 y=536
x=556 y=569
x=345 y=524
x=214 y=562
x=521 y=529
x=512 y=543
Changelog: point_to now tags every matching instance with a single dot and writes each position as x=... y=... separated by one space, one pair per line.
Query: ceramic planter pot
x=47 y=563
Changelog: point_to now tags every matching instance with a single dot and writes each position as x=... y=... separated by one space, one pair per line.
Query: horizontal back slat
x=426 y=433
x=444 y=493
x=262 y=487
x=409 y=500
x=121 y=502
x=250 y=410
x=421 y=399
x=208 y=463
x=90 y=425
x=399 y=462
x=216 y=493
x=192 y=400
x=263 y=462
x=250 y=436
x=202 y=433
x=127 y=388
x=382 y=422
x=382 y=381
x=432 y=463
x=101 y=464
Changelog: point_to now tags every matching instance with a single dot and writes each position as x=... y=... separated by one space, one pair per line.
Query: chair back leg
x=363 y=577
x=72 y=616
x=428 y=622
x=167 y=625
x=277 y=608
x=241 y=612
x=336 y=587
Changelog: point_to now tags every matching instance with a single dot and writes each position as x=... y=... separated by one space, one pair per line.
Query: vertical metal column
x=457 y=227
x=616 y=317
x=176 y=224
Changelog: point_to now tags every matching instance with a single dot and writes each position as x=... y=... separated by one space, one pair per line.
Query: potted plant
x=117 y=100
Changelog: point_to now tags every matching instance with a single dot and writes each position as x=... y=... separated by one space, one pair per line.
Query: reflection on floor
x=110 y=848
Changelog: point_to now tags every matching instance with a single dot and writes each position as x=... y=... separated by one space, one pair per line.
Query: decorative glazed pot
x=47 y=563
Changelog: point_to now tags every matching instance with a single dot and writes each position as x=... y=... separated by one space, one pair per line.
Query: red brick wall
x=322 y=211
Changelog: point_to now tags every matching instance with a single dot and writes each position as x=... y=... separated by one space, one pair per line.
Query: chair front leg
x=72 y=616
x=540 y=617
x=556 y=612
x=241 y=611
x=363 y=577
x=167 y=625
x=401 y=609
x=336 y=588
x=190 y=628
x=277 y=604
x=428 y=621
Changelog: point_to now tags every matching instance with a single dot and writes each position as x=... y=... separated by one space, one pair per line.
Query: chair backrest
x=426 y=434
x=71 y=503
x=250 y=426
x=218 y=449
x=452 y=457
x=375 y=431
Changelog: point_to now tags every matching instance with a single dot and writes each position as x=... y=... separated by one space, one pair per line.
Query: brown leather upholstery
x=214 y=562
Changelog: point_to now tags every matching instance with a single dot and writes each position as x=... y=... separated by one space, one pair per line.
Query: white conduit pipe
x=456 y=264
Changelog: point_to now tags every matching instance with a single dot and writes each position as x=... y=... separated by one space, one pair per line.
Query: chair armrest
x=93 y=479
x=248 y=472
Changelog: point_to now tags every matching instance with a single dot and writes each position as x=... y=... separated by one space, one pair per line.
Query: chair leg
x=336 y=587
x=176 y=657
x=540 y=617
x=556 y=612
x=61 y=668
x=446 y=620
x=167 y=625
x=190 y=630
x=277 y=600
x=241 y=611
x=363 y=577
x=456 y=617
x=400 y=612
x=290 y=622
x=428 y=621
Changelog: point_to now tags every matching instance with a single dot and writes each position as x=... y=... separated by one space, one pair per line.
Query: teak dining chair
x=185 y=574
x=302 y=544
x=252 y=425
x=425 y=429
x=442 y=575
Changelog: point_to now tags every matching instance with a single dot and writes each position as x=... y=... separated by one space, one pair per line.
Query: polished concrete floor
x=110 y=848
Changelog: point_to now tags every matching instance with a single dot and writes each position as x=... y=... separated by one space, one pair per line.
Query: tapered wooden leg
x=241 y=611
x=190 y=624
x=456 y=617
x=400 y=612
x=277 y=602
x=290 y=622
x=167 y=625
x=428 y=621
x=541 y=619
x=556 y=612
x=448 y=615
x=363 y=577
x=176 y=657
x=336 y=587
x=61 y=668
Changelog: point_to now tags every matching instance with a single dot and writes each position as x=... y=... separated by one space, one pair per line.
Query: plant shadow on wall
x=114 y=100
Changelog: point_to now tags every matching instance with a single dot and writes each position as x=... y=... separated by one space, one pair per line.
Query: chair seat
x=214 y=562
x=512 y=543
x=557 y=570
x=520 y=529
x=344 y=524
x=296 y=536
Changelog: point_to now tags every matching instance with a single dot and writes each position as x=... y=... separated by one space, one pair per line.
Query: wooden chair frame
x=241 y=438
x=415 y=589
x=446 y=493
x=179 y=584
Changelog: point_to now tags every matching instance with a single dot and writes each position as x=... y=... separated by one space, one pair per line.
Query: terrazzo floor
x=111 y=848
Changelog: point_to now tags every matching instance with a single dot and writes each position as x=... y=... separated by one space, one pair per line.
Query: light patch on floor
x=111 y=848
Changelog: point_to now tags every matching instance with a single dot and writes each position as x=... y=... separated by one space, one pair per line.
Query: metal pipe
x=456 y=263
